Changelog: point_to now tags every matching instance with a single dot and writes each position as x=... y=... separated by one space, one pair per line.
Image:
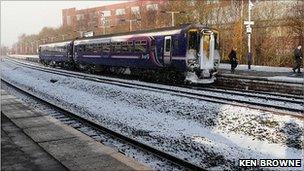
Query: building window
x=135 y=10
x=152 y=7
x=212 y=1
x=191 y=2
x=105 y=13
x=105 y=21
x=120 y=11
x=80 y=16
x=93 y=15
x=69 y=20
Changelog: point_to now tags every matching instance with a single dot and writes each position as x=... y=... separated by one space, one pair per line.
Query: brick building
x=273 y=39
x=100 y=19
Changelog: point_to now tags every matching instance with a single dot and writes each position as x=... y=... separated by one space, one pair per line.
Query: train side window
x=89 y=48
x=124 y=47
x=130 y=46
x=99 y=47
x=168 y=45
x=140 y=46
x=106 y=47
x=82 y=48
x=117 y=47
x=95 y=48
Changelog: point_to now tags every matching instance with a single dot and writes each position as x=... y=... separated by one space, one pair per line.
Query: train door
x=206 y=50
x=167 y=50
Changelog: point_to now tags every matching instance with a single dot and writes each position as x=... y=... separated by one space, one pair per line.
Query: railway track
x=276 y=104
x=265 y=95
x=278 y=96
x=72 y=119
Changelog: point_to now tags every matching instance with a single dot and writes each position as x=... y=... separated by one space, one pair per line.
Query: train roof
x=57 y=43
x=180 y=27
x=125 y=35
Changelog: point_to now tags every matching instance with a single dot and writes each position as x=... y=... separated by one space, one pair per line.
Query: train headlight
x=191 y=61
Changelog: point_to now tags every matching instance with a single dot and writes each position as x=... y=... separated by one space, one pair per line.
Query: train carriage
x=189 y=49
x=59 y=53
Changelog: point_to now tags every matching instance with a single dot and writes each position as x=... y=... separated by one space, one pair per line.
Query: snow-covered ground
x=256 y=68
x=239 y=68
x=209 y=134
x=280 y=71
x=23 y=56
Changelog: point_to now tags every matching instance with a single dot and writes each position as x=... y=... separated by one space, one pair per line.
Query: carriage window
x=117 y=47
x=130 y=46
x=99 y=46
x=81 y=48
x=89 y=48
x=124 y=47
x=106 y=47
x=96 y=48
x=168 y=45
x=78 y=48
x=140 y=47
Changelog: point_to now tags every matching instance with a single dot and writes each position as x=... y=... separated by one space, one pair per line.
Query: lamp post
x=172 y=15
x=249 y=31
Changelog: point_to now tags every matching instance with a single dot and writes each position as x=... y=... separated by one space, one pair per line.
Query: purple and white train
x=191 y=50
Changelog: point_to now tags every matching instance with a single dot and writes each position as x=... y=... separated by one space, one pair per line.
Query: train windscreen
x=194 y=39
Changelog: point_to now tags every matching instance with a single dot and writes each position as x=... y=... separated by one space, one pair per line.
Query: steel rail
x=293 y=100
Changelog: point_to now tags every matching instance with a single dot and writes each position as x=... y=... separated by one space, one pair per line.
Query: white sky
x=30 y=17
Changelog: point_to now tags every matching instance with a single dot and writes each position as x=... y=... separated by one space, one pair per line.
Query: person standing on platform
x=298 y=59
x=249 y=60
x=233 y=59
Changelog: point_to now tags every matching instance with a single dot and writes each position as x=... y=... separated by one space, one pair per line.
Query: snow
x=286 y=79
x=142 y=156
x=256 y=68
x=190 y=128
x=23 y=56
x=226 y=66
x=278 y=70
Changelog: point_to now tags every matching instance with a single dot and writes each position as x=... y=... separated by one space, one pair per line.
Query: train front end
x=202 y=56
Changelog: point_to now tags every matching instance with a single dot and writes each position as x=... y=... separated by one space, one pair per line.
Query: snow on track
x=206 y=133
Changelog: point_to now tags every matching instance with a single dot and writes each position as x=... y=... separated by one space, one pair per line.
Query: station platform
x=266 y=78
x=31 y=140
x=279 y=74
x=32 y=58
